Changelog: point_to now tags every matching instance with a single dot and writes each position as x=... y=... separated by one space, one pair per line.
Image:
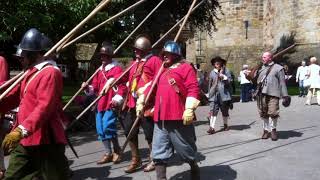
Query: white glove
x=117 y=100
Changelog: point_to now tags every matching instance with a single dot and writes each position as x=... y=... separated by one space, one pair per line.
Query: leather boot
x=211 y=131
x=195 y=171
x=135 y=161
x=226 y=127
x=116 y=158
x=105 y=159
x=150 y=166
x=274 y=136
x=161 y=171
x=265 y=134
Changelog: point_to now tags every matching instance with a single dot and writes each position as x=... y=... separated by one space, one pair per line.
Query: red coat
x=112 y=70
x=147 y=72
x=169 y=104
x=40 y=106
x=3 y=69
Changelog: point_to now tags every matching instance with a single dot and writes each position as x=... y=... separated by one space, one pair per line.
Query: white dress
x=314 y=78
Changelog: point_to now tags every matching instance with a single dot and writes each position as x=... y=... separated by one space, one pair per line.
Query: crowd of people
x=162 y=92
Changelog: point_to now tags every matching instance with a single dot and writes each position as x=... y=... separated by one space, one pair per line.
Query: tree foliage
x=57 y=17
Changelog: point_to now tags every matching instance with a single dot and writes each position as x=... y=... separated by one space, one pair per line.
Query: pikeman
x=37 y=141
x=139 y=78
x=174 y=112
x=106 y=115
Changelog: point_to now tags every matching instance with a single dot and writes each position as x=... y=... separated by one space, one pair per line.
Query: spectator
x=245 y=84
x=313 y=75
x=300 y=77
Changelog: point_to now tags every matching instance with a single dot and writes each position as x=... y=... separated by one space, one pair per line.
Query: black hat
x=286 y=101
x=218 y=59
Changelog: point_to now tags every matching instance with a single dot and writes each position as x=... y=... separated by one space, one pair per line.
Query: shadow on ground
x=223 y=172
x=288 y=134
x=96 y=173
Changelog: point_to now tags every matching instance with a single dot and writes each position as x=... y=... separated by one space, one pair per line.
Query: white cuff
x=110 y=81
x=192 y=103
x=24 y=131
x=225 y=77
x=117 y=98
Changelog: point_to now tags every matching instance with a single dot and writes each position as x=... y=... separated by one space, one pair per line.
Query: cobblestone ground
x=235 y=154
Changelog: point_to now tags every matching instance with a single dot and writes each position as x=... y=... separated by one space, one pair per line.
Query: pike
x=11 y=80
x=118 y=48
x=154 y=82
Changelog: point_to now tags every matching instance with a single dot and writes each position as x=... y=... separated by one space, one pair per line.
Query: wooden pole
x=103 y=23
x=154 y=9
x=173 y=27
x=105 y=88
x=13 y=85
x=10 y=80
x=75 y=29
x=154 y=82
x=185 y=20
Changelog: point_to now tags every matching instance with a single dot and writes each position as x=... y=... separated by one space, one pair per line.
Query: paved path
x=235 y=154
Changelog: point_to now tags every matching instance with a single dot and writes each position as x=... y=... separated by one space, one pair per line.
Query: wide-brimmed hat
x=218 y=59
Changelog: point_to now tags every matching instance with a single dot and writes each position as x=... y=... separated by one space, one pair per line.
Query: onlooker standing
x=245 y=84
x=300 y=77
x=313 y=75
x=3 y=77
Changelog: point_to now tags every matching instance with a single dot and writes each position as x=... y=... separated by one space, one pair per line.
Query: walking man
x=219 y=93
x=313 y=76
x=139 y=78
x=175 y=102
x=37 y=141
x=300 y=77
x=271 y=87
x=106 y=115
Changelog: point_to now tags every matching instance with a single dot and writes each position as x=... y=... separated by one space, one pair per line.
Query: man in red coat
x=3 y=77
x=37 y=141
x=175 y=102
x=145 y=67
x=106 y=115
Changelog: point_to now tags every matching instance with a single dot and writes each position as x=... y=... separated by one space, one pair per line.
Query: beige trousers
x=312 y=92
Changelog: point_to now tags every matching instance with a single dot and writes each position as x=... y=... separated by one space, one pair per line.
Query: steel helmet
x=142 y=43
x=32 y=41
x=172 y=47
x=46 y=43
x=106 y=48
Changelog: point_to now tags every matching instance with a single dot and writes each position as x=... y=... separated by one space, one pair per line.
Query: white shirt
x=243 y=79
x=301 y=73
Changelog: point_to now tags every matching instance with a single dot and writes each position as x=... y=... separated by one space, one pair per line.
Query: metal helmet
x=32 y=41
x=46 y=43
x=172 y=47
x=142 y=43
x=106 y=48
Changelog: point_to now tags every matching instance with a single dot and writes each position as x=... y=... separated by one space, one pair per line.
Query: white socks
x=213 y=121
x=273 y=123
x=225 y=119
x=269 y=124
x=266 y=124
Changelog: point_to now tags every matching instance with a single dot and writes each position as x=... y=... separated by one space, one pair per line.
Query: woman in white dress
x=313 y=75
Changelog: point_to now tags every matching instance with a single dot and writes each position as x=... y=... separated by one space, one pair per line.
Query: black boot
x=195 y=171
x=161 y=171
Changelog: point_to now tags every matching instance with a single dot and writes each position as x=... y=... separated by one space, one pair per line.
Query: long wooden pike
x=154 y=82
x=80 y=25
x=176 y=25
x=147 y=17
x=105 y=88
x=10 y=80
x=103 y=23
x=115 y=51
x=13 y=85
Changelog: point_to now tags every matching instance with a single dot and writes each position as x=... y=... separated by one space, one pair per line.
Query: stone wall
x=268 y=21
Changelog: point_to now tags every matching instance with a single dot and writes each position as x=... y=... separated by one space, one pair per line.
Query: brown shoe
x=135 y=165
x=274 y=136
x=226 y=127
x=105 y=159
x=211 y=131
x=116 y=158
x=265 y=134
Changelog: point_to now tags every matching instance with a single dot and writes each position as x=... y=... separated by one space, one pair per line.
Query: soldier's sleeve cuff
x=24 y=131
